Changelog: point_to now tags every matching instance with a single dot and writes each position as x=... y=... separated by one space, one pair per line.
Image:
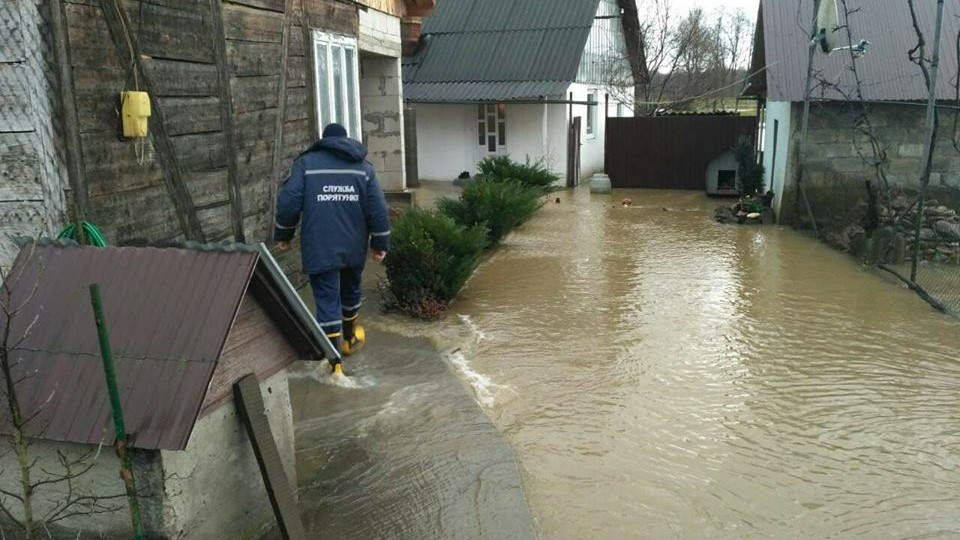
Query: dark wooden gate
x=573 y=152
x=670 y=152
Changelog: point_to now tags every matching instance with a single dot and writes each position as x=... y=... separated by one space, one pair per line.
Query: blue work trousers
x=338 y=298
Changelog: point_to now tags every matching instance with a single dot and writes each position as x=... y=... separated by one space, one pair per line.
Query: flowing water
x=659 y=375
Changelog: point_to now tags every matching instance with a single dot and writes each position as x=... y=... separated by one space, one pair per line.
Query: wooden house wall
x=31 y=194
x=215 y=70
x=255 y=345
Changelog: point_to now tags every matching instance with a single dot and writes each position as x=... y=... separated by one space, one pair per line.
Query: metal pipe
x=805 y=122
x=931 y=138
x=120 y=443
x=570 y=101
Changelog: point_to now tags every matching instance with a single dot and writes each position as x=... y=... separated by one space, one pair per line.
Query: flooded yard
x=659 y=375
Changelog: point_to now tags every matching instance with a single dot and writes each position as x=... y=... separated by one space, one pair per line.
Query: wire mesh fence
x=913 y=233
x=925 y=251
x=881 y=178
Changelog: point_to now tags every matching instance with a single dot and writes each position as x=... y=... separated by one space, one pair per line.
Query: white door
x=491 y=129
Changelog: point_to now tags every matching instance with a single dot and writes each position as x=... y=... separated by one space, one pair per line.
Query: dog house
x=185 y=325
x=722 y=174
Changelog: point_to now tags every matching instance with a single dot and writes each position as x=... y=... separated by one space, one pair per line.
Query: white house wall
x=556 y=150
x=534 y=134
x=605 y=59
x=777 y=118
x=447 y=141
x=591 y=145
x=446 y=137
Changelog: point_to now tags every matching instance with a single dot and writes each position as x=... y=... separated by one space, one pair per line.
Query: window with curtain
x=337 y=83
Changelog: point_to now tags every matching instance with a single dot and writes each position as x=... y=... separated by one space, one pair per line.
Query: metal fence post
x=931 y=138
x=120 y=444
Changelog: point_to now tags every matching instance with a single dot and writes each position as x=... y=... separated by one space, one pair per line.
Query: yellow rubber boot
x=351 y=346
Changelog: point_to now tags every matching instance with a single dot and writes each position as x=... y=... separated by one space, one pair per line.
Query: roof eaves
x=294 y=303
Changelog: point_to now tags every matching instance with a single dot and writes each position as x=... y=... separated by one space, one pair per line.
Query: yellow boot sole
x=355 y=344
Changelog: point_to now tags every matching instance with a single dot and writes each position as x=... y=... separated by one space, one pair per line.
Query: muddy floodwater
x=657 y=375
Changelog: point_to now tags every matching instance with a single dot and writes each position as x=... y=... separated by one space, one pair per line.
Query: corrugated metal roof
x=459 y=16
x=886 y=70
x=169 y=312
x=480 y=91
x=507 y=49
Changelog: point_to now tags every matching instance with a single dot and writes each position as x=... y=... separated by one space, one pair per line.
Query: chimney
x=412 y=23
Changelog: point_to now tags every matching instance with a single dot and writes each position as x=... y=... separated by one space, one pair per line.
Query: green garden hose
x=94 y=235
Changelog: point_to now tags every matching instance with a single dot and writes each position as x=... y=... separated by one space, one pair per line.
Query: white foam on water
x=484 y=389
x=478 y=335
x=321 y=373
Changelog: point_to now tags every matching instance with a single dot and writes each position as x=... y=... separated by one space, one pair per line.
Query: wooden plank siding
x=255 y=344
x=225 y=110
x=32 y=165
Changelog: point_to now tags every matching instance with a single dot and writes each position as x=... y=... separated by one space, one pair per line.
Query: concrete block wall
x=381 y=104
x=381 y=96
x=840 y=154
x=380 y=33
x=836 y=146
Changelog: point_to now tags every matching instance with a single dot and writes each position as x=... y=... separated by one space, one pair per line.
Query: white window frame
x=499 y=111
x=324 y=47
x=591 y=123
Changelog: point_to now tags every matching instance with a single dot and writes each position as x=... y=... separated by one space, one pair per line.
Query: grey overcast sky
x=750 y=6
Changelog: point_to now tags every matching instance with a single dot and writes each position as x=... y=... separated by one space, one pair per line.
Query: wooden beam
x=118 y=22
x=275 y=170
x=249 y=402
x=226 y=118
x=68 y=107
x=310 y=55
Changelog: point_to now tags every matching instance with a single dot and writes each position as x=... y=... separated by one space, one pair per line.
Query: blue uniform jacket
x=342 y=206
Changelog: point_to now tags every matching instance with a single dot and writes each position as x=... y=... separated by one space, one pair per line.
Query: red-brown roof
x=169 y=312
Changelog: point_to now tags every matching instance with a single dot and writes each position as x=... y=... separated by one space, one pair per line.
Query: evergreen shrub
x=431 y=258
x=498 y=206
x=749 y=172
x=502 y=168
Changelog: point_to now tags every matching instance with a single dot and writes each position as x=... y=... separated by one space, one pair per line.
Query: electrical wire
x=711 y=92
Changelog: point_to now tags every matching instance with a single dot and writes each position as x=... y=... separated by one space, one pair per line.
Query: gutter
x=506 y=102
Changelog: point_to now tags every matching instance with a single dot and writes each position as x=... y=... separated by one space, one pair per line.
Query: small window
x=592 y=113
x=619 y=110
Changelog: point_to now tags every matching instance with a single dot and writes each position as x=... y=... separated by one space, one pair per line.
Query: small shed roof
x=169 y=312
x=886 y=72
x=499 y=50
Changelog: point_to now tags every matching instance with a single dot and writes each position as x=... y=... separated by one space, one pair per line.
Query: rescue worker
x=344 y=212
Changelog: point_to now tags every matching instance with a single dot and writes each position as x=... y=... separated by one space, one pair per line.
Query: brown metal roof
x=886 y=70
x=169 y=312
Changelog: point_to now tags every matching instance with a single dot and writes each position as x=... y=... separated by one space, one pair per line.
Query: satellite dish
x=826 y=32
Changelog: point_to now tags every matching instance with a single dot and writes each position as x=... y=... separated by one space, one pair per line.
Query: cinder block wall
x=381 y=96
x=840 y=152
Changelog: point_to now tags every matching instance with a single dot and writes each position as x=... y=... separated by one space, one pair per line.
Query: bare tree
x=65 y=498
x=699 y=55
